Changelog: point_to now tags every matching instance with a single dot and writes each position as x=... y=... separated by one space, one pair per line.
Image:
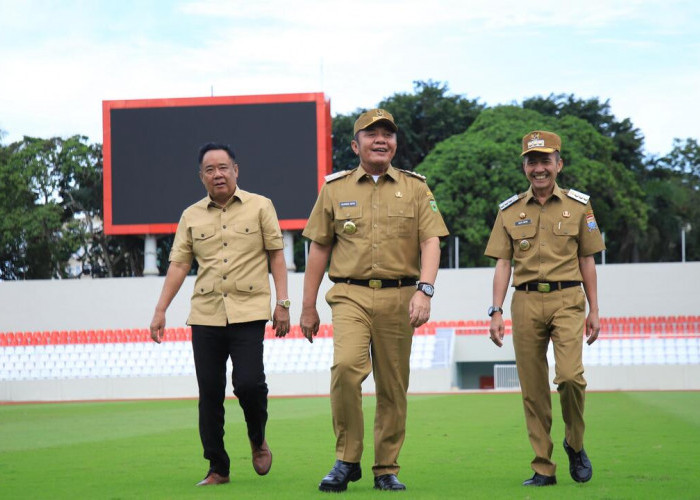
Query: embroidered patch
x=344 y=204
x=590 y=221
x=433 y=205
x=523 y=222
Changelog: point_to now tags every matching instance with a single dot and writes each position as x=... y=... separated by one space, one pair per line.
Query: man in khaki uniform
x=551 y=235
x=233 y=235
x=380 y=226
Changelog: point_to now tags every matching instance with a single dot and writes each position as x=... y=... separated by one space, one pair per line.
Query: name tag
x=344 y=204
x=523 y=222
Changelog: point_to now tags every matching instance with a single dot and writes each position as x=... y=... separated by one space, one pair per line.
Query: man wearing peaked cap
x=551 y=236
x=381 y=228
x=373 y=116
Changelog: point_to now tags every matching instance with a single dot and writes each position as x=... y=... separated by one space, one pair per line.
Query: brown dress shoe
x=262 y=458
x=213 y=478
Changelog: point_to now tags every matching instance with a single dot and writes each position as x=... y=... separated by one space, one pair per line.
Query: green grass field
x=642 y=445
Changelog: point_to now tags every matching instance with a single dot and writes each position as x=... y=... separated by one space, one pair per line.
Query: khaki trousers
x=537 y=318
x=371 y=332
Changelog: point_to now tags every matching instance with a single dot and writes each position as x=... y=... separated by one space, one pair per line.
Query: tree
x=627 y=140
x=426 y=117
x=472 y=172
x=672 y=188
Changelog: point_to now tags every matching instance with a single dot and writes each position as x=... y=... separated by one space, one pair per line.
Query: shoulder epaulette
x=412 y=173
x=505 y=204
x=337 y=175
x=580 y=197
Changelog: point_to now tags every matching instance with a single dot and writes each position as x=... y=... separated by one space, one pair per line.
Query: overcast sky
x=60 y=59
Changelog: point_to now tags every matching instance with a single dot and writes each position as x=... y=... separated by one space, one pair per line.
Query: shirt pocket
x=401 y=220
x=565 y=237
x=247 y=289
x=347 y=221
x=523 y=237
x=247 y=236
x=203 y=239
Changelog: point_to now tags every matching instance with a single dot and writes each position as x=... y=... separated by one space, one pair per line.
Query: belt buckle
x=375 y=283
x=544 y=287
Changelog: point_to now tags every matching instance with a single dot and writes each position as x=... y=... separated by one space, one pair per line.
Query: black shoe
x=388 y=482
x=580 y=467
x=340 y=475
x=540 y=480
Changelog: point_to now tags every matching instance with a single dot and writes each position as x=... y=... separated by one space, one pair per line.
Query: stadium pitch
x=467 y=445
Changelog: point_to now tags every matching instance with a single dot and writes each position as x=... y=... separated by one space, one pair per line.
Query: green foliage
x=472 y=172
x=424 y=118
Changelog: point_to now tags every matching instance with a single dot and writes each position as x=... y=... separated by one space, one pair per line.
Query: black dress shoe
x=340 y=475
x=580 y=467
x=540 y=480
x=388 y=482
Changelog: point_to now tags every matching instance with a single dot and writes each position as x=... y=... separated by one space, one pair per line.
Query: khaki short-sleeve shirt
x=230 y=244
x=375 y=228
x=545 y=241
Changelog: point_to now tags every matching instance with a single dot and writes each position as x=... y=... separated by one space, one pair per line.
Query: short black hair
x=215 y=146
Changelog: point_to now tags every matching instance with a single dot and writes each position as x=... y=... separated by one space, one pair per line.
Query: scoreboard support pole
x=150 y=267
x=288 y=238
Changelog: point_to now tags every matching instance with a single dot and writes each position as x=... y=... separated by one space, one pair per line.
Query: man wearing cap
x=380 y=226
x=551 y=235
x=234 y=235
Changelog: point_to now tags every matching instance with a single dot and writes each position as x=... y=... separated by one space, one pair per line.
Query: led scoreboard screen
x=282 y=145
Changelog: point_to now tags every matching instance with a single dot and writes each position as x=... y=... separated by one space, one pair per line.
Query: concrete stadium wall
x=40 y=305
x=624 y=290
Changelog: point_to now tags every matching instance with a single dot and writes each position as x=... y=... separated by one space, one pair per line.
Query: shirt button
x=224 y=277
x=374 y=266
x=225 y=244
x=224 y=209
x=374 y=226
x=226 y=295
x=202 y=235
x=225 y=260
x=374 y=206
x=250 y=287
x=201 y=290
x=246 y=230
x=224 y=226
x=374 y=245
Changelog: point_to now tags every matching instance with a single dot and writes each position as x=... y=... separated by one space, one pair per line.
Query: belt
x=377 y=283
x=546 y=286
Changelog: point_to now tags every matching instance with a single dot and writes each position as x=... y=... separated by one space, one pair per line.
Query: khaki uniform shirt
x=390 y=218
x=545 y=241
x=230 y=245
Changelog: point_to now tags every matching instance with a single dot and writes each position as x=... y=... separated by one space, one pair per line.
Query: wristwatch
x=284 y=303
x=495 y=309
x=426 y=288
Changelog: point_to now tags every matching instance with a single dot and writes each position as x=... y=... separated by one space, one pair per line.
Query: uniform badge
x=433 y=205
x=566 y=214
x=349 y=227
x=522 y=215
x=344 y=204
x=524 y=245
x=590 y=222
x=398 y=194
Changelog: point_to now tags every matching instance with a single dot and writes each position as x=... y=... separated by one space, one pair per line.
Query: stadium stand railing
x=131 y=353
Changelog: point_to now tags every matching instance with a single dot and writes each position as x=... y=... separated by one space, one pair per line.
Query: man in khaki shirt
x=551 y=235
x=380 y=226
x=233 y=235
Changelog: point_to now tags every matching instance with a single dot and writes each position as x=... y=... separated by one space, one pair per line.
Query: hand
x=497 y=329
x=419 y=309
x=280 y=321
x=309 y=322
x=158 y=326
x=592 y=327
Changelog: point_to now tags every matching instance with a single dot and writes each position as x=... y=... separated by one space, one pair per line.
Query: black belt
x=377 y=283
x=546 y=286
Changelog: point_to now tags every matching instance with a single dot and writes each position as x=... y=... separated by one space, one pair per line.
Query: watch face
x=427 y=289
